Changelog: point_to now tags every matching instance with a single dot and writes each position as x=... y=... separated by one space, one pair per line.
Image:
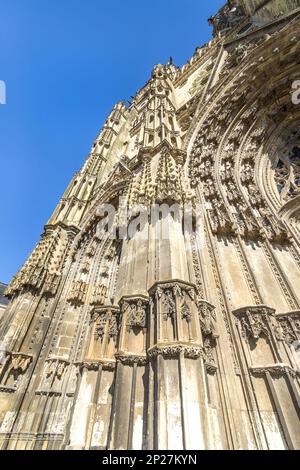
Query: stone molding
x=189 y=351
x=276 y=370
x=131 y=359
x=95 y=365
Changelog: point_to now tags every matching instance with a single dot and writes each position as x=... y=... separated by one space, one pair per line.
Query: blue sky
x=65 y=63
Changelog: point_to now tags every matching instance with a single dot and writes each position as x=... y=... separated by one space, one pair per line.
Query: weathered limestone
x=3 y=300
x=189 y=340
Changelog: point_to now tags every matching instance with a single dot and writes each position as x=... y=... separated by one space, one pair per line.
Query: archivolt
x=239 y=133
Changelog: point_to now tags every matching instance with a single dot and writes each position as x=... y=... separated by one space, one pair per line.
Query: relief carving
x=135 y=309
x=256 y=321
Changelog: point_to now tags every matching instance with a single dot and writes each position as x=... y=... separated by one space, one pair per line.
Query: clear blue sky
x=65 y=64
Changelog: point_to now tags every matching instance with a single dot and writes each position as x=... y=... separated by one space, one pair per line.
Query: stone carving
x=99 y=295
x=101 y=324
x=262 y=321
x=207 y=317
x=131 y=360
x=13 y=371
x=208 y=351
x=220 y=222
x=287 y=175
x=114 y=327
x=20 y=362
x=51 y=284
x=135 y=309
x=186 y=312
x=107 y=321
x=255 y=321
x=55 y=367
x=44 y=265
x=95 y=366
x=86 y=266
x=167 y=293
x=190 y=352
x=91 y=250
x=278 y=370
x=78 y=292
x=138 y=315
x=168 y=304
x=290 y=324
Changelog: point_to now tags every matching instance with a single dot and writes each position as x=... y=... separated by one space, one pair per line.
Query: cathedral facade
x=172 y=335
x=3 y=300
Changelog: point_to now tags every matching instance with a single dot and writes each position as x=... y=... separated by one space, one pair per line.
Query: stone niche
x=175 y=313
x=104 y=332
x=269 y=343
x=134 y=325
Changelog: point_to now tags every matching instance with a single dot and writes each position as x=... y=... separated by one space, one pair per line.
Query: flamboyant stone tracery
x=189 y=341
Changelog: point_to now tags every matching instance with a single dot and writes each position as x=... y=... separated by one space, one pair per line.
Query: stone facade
x=189 y=341
x=3 y=300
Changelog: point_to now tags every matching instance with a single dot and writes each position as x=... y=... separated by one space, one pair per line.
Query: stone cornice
x=104 y=308
x=295 y=313
x=173 y=282
x=71 y=229
x=131 y=359
x=254 y=309
x=4 y=389
x=277 y=370
x=95 y=364
x=57 y=359
x=49 y=393
x=174 y=350
x=134 y=297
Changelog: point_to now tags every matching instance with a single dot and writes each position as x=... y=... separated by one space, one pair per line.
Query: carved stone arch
x=220 y=143
x=218 y=99
x=94 y=271
x=89 y=223
x=261 y=51
x=232 y=136
x=228 y=100
x=237 y=94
